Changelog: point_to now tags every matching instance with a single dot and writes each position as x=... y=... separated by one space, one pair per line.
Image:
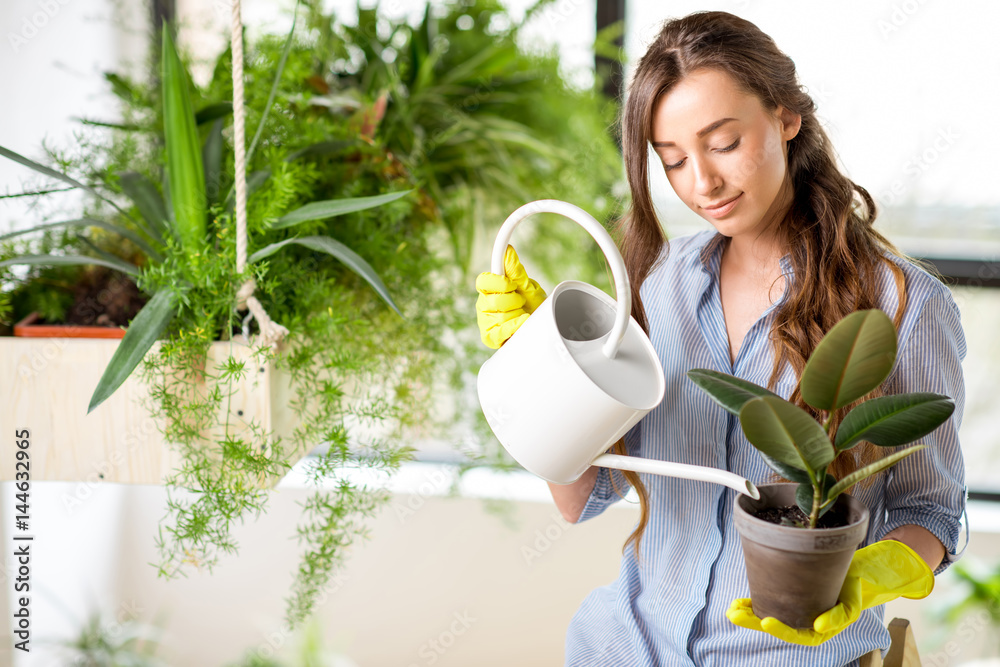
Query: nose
x=706 y=178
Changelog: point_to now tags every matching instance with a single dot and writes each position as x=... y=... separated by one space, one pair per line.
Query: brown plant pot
x=795 y=574
x=27 y=328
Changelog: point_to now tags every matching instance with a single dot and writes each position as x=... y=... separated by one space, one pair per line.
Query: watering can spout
x=671 y=469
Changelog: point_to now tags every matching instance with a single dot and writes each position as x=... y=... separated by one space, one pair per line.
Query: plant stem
x=828 y=426
x=814 y=515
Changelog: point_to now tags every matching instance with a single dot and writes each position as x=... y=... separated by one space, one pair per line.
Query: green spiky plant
x=173 y=229
x=851 y=360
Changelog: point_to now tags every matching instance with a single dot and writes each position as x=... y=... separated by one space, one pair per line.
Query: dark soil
x=103 y=298
x=834 y=518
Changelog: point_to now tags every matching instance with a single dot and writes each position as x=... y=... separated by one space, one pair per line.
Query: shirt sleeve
x=604 y=494
x=928 y=488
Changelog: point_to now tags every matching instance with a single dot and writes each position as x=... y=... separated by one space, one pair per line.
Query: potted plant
x=178 y=226
x=119 y=298
x=70 y=300
x=798 y=538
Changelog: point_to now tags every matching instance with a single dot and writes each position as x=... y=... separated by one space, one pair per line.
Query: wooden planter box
x=47 y=385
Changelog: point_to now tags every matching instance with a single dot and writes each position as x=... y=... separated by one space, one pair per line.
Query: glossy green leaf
x=211 y=156
x=320 y=210
x=185 y=171
x=729 y=391
x=786 y=433
x=890 y=421
x=148 y=200
x=853 y=358
x=804 y=497
x=869 y=470
x=69 y=260
x=341 y=252
x=144 y=330
x=786 y=471
x=828 y=483
x=91 y=222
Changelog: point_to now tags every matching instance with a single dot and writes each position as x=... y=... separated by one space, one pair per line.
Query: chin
x=725 y=227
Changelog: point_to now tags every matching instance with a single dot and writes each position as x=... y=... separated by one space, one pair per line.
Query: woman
x=793 y=252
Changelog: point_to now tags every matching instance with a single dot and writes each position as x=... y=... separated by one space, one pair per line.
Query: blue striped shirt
x=671 y=610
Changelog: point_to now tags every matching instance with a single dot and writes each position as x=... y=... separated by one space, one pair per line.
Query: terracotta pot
x=28 y=328
x=795 y=574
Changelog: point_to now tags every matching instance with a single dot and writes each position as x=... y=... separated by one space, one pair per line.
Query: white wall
x=52 y=57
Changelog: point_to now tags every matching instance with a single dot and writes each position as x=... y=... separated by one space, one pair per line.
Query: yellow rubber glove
x=878 y=573
x=506 y=301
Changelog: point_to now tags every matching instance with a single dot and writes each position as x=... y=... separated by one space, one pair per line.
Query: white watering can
x=577 y=374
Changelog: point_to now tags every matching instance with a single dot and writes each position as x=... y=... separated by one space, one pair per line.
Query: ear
x=791 y=122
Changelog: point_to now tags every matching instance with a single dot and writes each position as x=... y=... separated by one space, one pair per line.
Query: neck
x=764 y=245
x=754 y=252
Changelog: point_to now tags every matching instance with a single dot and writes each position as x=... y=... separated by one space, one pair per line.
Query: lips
x=720 y=204
x=723 y=208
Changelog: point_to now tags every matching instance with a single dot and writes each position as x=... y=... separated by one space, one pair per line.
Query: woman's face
x=711 y=160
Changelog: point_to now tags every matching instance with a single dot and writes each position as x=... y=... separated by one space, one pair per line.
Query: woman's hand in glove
x=878 y=573
x=506 y=301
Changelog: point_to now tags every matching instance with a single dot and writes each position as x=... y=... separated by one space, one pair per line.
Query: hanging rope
x=270 y=332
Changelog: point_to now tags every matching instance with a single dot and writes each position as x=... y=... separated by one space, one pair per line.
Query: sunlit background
x=907 y=90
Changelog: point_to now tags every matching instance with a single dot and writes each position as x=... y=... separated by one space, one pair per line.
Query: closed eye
x=728 y=148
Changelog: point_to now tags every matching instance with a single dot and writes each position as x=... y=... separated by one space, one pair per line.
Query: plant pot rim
x=27 y=328
x=790 y=538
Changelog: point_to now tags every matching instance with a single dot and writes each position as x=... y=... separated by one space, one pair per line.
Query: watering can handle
x=604 y=240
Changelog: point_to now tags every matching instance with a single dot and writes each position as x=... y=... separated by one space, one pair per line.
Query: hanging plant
x=347 y=349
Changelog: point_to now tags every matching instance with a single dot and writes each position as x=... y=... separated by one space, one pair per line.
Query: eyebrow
x=701 y=133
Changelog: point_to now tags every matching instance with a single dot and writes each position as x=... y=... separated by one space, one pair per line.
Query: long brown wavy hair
x=834 y=250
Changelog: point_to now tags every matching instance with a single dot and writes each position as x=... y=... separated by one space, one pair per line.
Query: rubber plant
x=851 y=360
x=175 y=226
